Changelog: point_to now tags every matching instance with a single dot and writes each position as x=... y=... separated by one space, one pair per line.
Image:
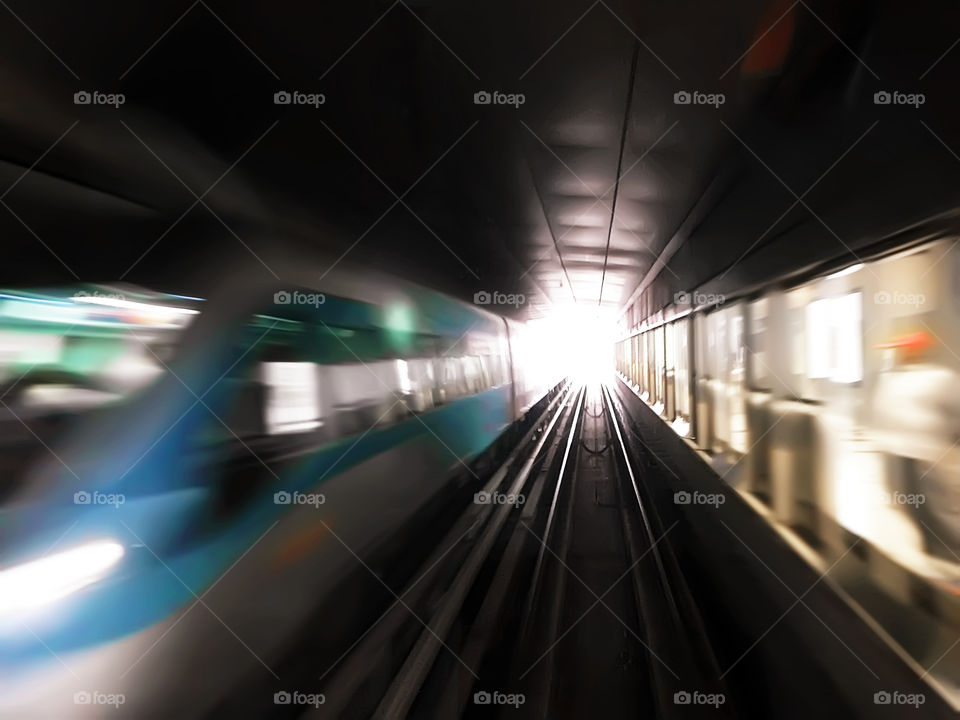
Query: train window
x=637 y=369
x=639 y=362
x=625 y=358
x=699 y=369
x=305 y=384
x=651 y=365
x=420 y=376
x=819 y=339
x=730 y=344
x=796 y=331
x=849 y=334
x=637 y=359
x=716 y=331
x=736 y=342
x=403 y=373
x=758 y=366
x=658 y=369
x=483 y=364
x=474 y=374
x=356 y=397
x=451 y=383
x=292 y=396
x=736 y=365
x=489 y=370
x=834 y=338
x=500 y=362
x=669 y=361
x=681 y=338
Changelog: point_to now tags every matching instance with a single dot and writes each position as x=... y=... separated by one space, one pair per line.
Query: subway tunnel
x=437 y=359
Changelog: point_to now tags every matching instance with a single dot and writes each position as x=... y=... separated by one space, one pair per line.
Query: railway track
x=553 y=595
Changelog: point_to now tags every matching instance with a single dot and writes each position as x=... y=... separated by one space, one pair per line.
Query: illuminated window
x=819 y=340
x=759 y=362
x=659 y=364
x=403 y=372
x=796 y=302
x=848 y=317
x=682 y=355
x=293 y=397
x=834 y=337
x=735 y=338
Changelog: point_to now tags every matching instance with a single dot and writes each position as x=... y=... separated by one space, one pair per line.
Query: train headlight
x=49 y=578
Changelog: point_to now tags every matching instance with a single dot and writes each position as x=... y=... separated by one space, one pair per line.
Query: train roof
x=351 y=298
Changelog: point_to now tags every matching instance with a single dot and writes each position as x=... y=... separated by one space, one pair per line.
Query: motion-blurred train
x=832 y=397
x=184 y=478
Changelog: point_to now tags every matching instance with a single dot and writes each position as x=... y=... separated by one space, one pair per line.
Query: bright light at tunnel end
x=583 y=337
x=45 y=580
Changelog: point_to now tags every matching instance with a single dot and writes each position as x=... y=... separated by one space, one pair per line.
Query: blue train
x=186 y=478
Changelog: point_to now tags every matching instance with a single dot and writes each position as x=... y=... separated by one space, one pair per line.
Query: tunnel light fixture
x=145 y=308
x=846 y=271
x=43 y=581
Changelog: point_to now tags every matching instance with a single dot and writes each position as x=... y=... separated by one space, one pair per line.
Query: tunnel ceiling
x=583 y=170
